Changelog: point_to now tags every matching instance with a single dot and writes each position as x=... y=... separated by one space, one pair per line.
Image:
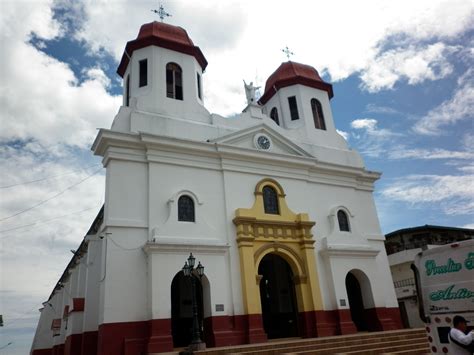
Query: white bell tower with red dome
x=297 y=99
x=162 y=73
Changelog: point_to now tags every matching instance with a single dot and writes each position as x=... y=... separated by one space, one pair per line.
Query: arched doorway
x=277 y=296
x=361 y=301
x=182 y=309
x=356 y=302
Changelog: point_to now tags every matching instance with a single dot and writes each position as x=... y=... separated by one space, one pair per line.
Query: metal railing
x=404 y=283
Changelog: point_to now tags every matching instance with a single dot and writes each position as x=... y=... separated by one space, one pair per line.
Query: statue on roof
x=250 y=92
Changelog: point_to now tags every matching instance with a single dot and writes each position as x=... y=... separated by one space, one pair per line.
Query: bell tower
x=297 y=99
x=162 y=73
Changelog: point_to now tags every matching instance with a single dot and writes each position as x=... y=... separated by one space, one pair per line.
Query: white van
x=445 y=288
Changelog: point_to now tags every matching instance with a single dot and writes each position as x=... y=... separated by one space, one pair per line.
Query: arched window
x=270 y=200
x=274 y=115
x=343 y=221
x=318 y=116
x=186 y=209
x=174 y=81
x=127 y=91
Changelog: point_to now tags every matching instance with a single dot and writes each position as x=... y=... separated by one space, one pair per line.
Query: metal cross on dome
x=287 y=52
x=161 y=13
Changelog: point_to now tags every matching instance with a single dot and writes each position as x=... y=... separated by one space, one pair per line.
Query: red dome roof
x=162 y=35
x=292 y=73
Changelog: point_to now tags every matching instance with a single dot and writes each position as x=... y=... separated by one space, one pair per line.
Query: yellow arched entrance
x=286 y=234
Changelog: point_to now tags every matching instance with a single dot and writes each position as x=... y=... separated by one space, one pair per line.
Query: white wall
x=43 y=338
x=94 y=263
x=141 y=207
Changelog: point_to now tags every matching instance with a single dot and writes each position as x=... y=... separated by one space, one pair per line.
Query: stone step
x=296 y=347
x=364 y=348
x=339 y=339
x=410 y=349
x=423 y=351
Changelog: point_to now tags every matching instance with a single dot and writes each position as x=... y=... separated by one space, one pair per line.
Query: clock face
x=263 y=142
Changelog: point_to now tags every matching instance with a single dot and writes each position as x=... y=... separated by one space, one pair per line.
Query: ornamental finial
x=287 y=52
x=161 y=13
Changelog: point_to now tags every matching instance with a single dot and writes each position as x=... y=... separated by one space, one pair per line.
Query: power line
x=46 y=178
x=50 y=198
x=22 y=316
x=43 y=221
x=123 y=248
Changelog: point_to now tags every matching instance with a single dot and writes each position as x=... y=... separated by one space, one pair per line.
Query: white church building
x=273 y=203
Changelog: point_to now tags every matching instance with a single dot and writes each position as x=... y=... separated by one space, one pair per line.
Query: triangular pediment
x=246 y=138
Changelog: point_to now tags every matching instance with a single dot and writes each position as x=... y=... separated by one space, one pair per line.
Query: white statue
x=250 y=92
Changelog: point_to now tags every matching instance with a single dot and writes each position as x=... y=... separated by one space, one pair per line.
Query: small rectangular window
x=178 y=85
x=127 y=91
x=169 y=83
x=199 y=85
x=143 y=71
x=293 y=108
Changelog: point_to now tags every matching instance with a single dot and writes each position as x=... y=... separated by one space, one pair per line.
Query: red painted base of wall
x=388 y=318
x=42 y=352
x=89 y=343
x=58 y=349
x=73 y=345
x=160 y=336
x=136 y=338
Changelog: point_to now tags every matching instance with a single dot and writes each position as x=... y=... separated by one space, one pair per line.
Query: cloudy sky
x=404 y=97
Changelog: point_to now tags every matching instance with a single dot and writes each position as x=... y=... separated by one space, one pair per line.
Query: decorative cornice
x=347 y=250
x=220 y=156
x=152 y=248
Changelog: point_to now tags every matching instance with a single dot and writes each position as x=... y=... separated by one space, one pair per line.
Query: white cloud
x=364 y=123
x=372 y=141
x=45 y=112
x=454 y=194
x=38 y=239
x=373 y=108
x=344 y=134
x=369 y=125
x=466 y=169
x=39 y=95
x=428 y=154
x=427 y=19
x=415 y=64
x=459 y=107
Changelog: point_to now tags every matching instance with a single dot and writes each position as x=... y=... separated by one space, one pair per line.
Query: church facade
x=274 y=204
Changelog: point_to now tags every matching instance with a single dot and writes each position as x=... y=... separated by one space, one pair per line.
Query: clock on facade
x=262 y=142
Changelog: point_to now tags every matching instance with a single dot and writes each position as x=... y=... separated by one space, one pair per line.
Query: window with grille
x=270 y=200
x=293 y=108
x=174 y=81
x=343 y=221
x=274 y=115
x=186 y=209
x=318 y=116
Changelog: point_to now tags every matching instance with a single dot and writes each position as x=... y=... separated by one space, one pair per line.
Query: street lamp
x=188 y=270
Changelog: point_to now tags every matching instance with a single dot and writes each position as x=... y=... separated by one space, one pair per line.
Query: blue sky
x=404 y=97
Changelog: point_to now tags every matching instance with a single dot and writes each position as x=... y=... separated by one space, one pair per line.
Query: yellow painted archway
x=286 y=234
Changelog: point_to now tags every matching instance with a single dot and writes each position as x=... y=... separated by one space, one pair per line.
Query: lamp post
x=188 y=270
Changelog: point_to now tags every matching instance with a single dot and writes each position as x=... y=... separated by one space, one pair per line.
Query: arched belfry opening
x=361 y=301
x=278 y=297
x=182 y=308
x=272 y=237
